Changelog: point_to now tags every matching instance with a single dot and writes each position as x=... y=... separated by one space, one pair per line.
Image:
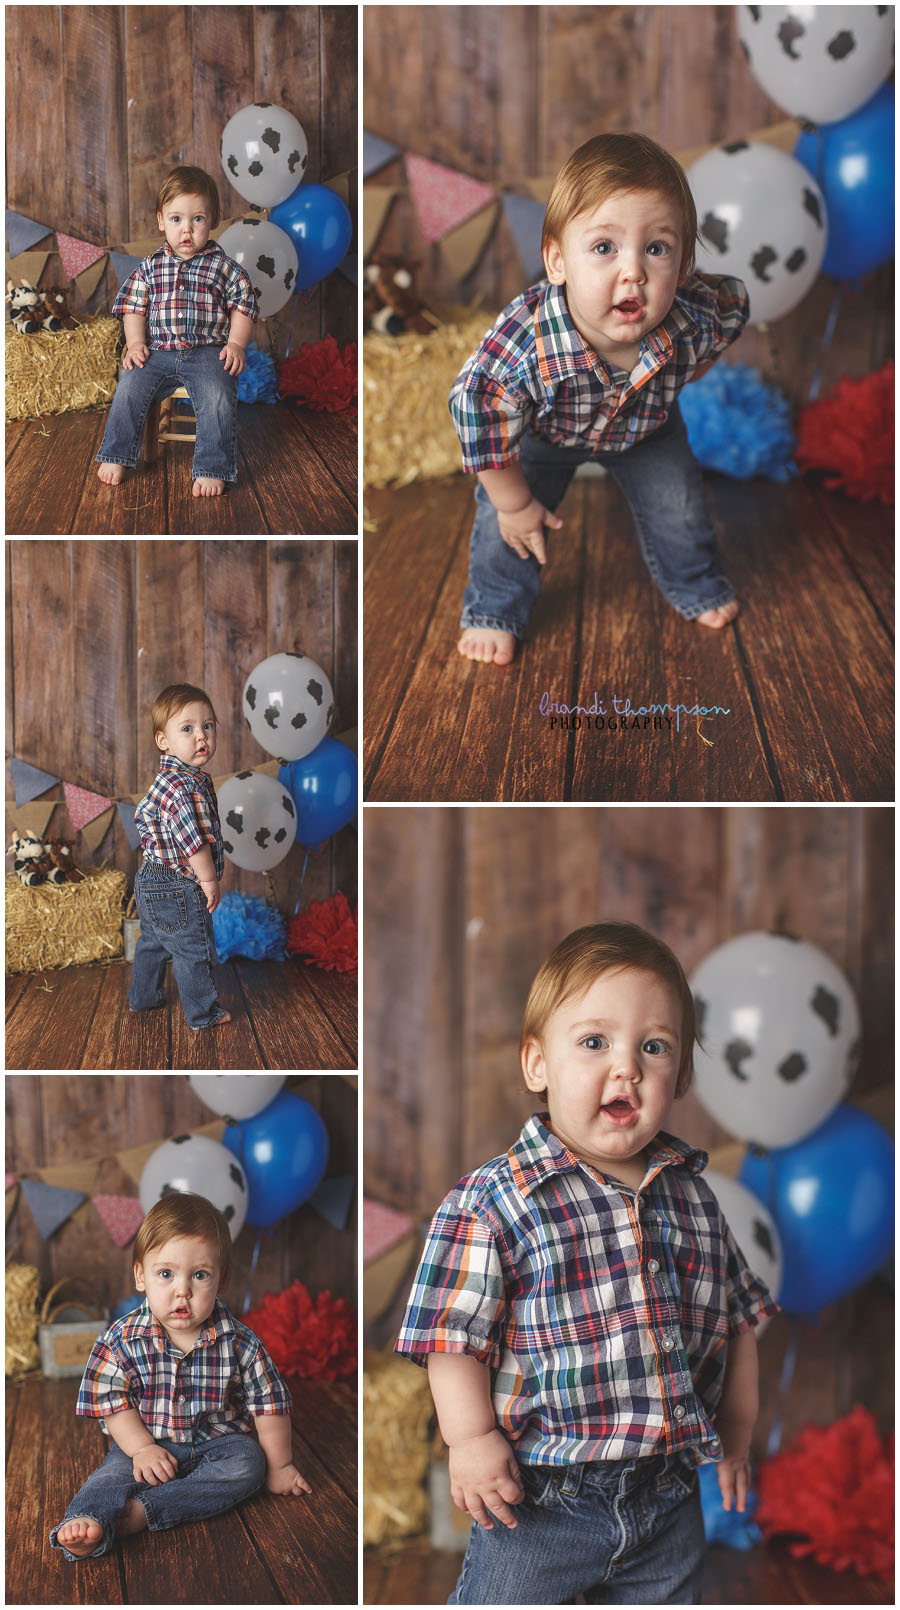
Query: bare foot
x=80 y=1536
x=485 y=643
x=206 y=487
x=717 y=618
x=111 y=473
x=132 y=1519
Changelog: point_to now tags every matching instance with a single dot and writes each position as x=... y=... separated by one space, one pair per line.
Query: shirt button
x=667 y=1341
x=680 y=1411
x=653 y=1266
x=181 y=1398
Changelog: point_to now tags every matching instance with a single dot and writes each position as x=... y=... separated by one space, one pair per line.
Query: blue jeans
x=618 y=1532
x=211 y=1476
x=177 y=927
x=663 y=485
x=213 y=394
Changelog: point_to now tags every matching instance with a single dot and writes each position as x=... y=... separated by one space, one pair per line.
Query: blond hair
x=606 y=947
x=174 y=698
x=181 y=1213
x=190 y=182
x=611 y=162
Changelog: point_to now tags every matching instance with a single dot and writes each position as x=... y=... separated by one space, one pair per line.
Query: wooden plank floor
x=297 y=475
x=269 y=1550
x=806 y=671
x=284 y=1015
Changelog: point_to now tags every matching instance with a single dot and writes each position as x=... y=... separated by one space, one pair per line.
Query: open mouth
x=181 y=1313
x=620 y=1111
x=631 y=308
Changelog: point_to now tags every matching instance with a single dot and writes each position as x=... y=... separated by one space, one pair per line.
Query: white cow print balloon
x=267 y=255
x=779 y=1026
x=201 y=1166
x=762 y=219
x=264 y=153
x=288 y=705
x=258 y=820
x=818 y=62
x=753 y=1228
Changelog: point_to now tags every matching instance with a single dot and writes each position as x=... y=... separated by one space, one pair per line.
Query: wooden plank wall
x=462 y=906
x=57 y=1119
x=506 y=93
x=125 y=93
x=95 y=629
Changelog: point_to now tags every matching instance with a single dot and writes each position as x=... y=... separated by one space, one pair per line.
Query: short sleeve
x=240 y=296
x=106 y=1386
x=490 y=418
x=458 y=1300
x=186 y=829
x=133 y=296
x=264 y=1390
x=748 y=1297
x=723 y=306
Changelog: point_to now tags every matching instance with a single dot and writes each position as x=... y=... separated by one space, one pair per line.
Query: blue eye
x=600 y=247
x=661 y=1045
x=200 y=1274
x=660 y=247
x=593 y=1042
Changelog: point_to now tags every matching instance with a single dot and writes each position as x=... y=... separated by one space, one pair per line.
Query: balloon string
x=827 y=334
x=787 y=1375
x=306 y=294
x=253 y=1261
x=302 y=876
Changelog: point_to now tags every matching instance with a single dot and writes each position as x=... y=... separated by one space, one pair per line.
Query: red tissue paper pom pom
x=325 y=933
x=321 y=376
x=833 y=1490
x=312 y=1337
x=851 y=433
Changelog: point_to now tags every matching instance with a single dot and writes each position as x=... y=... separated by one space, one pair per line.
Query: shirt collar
x=537 y=1155
x=181 y=768
x=142 y=1323
x=561 y=350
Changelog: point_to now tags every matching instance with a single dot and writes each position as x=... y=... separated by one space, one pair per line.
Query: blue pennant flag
x=525 y=219
x=332 y=1199
x=123 y=265
x=126 y=817
x=350 y=268
x=28 y=781
x=22 y=232
x=376 y=152
x=50 y=1205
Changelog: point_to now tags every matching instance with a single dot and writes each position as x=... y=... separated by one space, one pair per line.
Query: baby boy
x=588 y=364
x=180 y=1384
x=177 y=884
x=585 y=1313
x=188 y=312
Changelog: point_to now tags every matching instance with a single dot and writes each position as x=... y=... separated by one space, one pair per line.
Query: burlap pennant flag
x=29 y=266
x=376 y=206
x=143 y=246
x=78 y=1176
x=32 y=818
x=90 y=278
x=443 y=197
x=83 y=806
x=93 y=832
x=76 y=255
x=340 y=184
x=121 y=1215
x=462 y=248
x=539 y=189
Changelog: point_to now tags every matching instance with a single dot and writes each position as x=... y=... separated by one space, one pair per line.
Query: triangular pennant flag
x=539 y=189
x=29 y=266
x=443 y=197
x=142 y=247
x=376 y=204
x=525 y=219
x=82 y=805
x=10 y=1181
x=126 y=817
x=349 y=267
x=76 y=1176
x=28 y=781
x=93 y=833
x=50 y=1206
x=340 y=184
x=332 y=1199
x=376 y=152
x=76 y=255
x=383 y=1227
x=22 y=232
x=462 y=248
x=89 y=278
x=121 y=1215
x=32 y=818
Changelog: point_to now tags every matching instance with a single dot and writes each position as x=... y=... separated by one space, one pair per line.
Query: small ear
x=533 y=1070
x=138 y=1272
x=553 y=263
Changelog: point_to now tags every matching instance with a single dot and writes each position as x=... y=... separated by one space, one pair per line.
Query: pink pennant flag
x=76 y=254
x=83 y=806
x=121 y=1215
x=10 y=1180
x=442 y=197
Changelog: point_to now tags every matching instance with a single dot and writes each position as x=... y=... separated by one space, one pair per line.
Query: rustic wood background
x=95 y=630
x=102 y=101
x=505 y=93
x=55 y=1119
x=462 y=906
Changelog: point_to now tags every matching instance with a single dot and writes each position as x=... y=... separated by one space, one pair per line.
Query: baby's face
x=190 y=735
x=609 y=1060
x=620 y=263
x=187 y=222
x=181 y=1280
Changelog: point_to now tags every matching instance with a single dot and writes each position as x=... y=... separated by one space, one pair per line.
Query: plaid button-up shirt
x=602 y=1313
x=224 y=1379
x=187 y=302
x=533 y=371
x=178 y=815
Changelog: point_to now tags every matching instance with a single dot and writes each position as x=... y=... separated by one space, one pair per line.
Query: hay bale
x=397 y=1409
x=59 y=926
x=409 y=435
x=22 y=1283
x=59 y=374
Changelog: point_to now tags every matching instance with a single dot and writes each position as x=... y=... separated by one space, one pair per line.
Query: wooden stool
x=162 y=423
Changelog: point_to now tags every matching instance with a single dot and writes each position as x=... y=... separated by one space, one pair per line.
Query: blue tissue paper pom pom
x=738 y=425
x=243 y=925
x=726 y=1526
x=257 y=380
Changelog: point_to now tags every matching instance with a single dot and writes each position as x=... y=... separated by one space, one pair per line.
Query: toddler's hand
x=153 y=1465
x=233 y=358
x=210 y=889
x=485 y=1480
x=136 y=356
x=523 y=531
x=287 y=1480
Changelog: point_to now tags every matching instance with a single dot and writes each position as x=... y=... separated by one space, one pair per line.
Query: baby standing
x=188 y=312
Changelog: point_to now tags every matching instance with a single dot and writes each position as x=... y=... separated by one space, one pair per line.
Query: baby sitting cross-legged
x=188 y=312
x=180 y=1384
x=587 y=365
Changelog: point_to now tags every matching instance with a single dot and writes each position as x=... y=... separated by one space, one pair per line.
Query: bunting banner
x=22 y=232
x=463 y=247
x=376 y=206
x=32 y=818
x=28 y=781
x=30 y=267
x=525 y=219
x=443 y=197
x=123 y=265
x=122 y=1216
x=377 y=153
x=49 y=1205
x=126 y=817
x=83 y=806
x=332 y=1199
x=76 y=254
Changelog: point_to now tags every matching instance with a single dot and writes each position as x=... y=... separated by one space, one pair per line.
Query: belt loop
x=571 y=1483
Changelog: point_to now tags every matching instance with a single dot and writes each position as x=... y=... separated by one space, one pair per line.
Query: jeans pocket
x=167 y=909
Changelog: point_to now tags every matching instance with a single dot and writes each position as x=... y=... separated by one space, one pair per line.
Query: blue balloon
x=283 y=1151
x=831 y=1195
x=853 y=164
x=126 y=1306
x=320 y=227
x=322 y=785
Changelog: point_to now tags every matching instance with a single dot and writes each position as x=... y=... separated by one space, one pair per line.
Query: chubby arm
x=520 y=517
x=151 y=1463
x=736 y=1417
x=240 y=329
x=484 y=1476
x=134 y=326
x=201 y=864
x=282 y=1475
